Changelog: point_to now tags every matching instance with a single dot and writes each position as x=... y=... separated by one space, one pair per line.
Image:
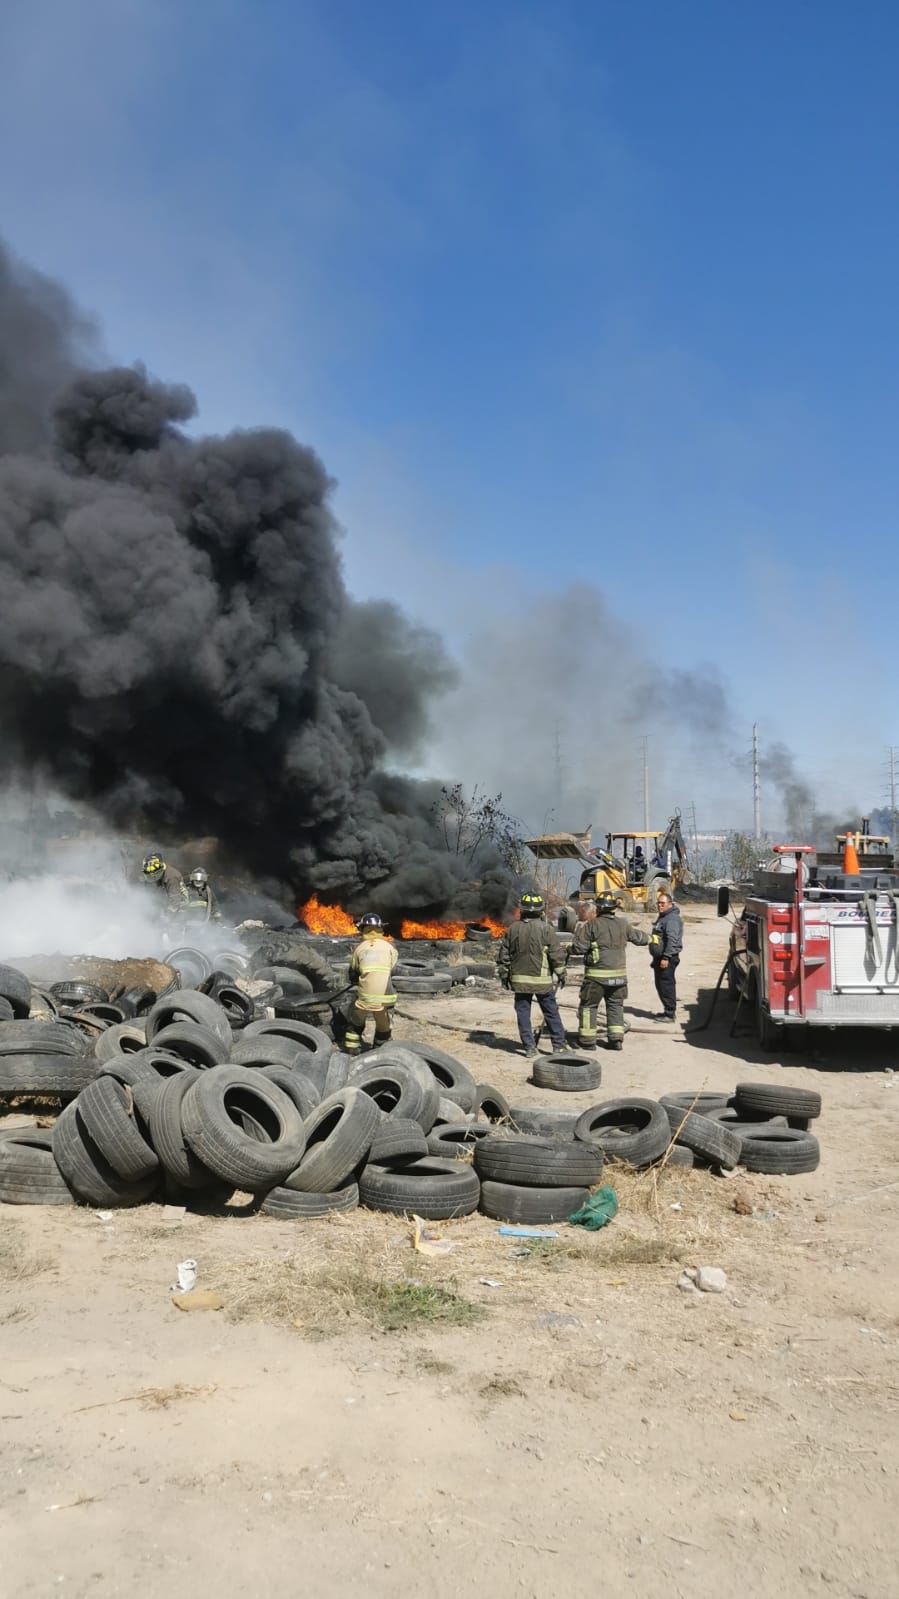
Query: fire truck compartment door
x=854 y=967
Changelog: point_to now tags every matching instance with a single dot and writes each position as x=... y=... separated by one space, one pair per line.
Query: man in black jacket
x=665 y=944
x=531 y=961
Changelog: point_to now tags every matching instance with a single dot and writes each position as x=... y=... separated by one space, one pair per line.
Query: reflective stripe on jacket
x=371 y=966
x=603 y=943
x=667 y=935
x=530 y=955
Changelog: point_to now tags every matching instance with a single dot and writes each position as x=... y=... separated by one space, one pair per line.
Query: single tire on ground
x=567 y=1072
x=544 y=1123
x=779 y=1151
x=29 y=1174
x=635 y=1131
x=211 y=1115
x=437 y=983
x=433 y=1189
x=481 y=968
x=530 y=1206
x=339 y=1135
x=538 y=1162
x=288 y=1204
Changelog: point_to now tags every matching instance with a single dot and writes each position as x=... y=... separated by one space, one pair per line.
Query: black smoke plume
x=177 y=648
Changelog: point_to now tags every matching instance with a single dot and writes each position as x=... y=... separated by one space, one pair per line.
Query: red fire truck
x=816 y=946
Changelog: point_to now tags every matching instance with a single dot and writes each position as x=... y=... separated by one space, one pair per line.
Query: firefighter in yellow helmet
x=371 y=968
x=167 y=881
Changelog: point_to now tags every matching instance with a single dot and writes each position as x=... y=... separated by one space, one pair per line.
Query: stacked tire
x=529 y=1180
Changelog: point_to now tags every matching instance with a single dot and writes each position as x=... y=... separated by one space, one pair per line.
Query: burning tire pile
x=193 y=1094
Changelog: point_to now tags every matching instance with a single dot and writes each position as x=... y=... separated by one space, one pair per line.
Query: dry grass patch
x=17 y=1261
x=324 y=1298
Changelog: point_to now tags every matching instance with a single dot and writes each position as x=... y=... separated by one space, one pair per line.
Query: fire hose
x=700 y=1027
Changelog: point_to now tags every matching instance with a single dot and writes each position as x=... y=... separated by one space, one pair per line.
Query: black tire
x=192 y=966
x=679 y=1156
x=566 y=1072
x=456 y=1140
x=73 y=994
x=301 y=958
x=290 y=1205
x=437 y=983
x=211 y=1118
x=294 y=985
x=757 y=1101
x=15 y=988
x=406 y=967
x=481 y=968
x=337 y=1073
x=530 y=1206
x=86 y=1170
x=454 y=1080
x=541 y=1123
x=60 y=1076
x=193 y=1042
x=107 y=1111
x=701 y=1101
x=489 y=1103
x=41 y=1038
x=398 y=1091
x=779 y=1151
x=29 y=1174
x=339 y=1136
x=167 y=1135
x=188 y=1006
x=538 y=1162
x=770 y=1034
x=110 y=1015
x=398 y=1139
x=231 y=962
x=145 y=1066
x=296 y=1085
x=269 y=1049
x=635 y=1131
x=433 y=1189
x=312 y=1039
x=136 y=1001
x=711 y=1139
x=6 y=1011
x=125 y=1038
x=238 y=1006
x=458 y=973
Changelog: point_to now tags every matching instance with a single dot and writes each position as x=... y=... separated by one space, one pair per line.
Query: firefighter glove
x=560 y=977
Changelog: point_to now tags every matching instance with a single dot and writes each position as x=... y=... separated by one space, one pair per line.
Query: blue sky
x=564 y=293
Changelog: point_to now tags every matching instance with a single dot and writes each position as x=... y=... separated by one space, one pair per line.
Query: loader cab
x=636 y=852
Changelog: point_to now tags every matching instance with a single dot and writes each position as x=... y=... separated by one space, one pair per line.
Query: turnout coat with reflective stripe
x=371 y=966
x=530 y=953
x=603 y=943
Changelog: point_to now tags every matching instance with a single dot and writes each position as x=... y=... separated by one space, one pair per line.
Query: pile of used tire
x=425 y=966
x=192 y=1093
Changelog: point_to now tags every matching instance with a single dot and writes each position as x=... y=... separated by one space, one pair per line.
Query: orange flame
x=454 y=931
x=326 y=919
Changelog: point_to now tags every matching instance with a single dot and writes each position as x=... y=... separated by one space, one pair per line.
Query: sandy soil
x=595 y=1431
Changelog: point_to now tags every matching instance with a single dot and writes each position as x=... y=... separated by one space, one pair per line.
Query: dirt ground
x=572 y=1425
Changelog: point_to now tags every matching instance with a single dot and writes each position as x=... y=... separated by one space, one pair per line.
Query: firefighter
x=371 y=968
x=168 y=882
x=530 y=962
x=201 y=903
x=665 y=944
x=603 y=941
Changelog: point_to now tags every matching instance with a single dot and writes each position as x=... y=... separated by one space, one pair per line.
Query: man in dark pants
x=603 y=941
x=665 y=944
x=531 y=960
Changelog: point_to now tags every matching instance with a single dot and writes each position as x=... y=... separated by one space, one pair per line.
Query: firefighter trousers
x=666 y=983
x=592 y=994
x=355 y=1031
x=550 y=1008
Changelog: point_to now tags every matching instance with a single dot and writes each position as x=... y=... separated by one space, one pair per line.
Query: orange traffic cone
x=850 y=856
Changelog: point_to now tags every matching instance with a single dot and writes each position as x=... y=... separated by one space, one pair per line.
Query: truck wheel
x=770 y=1034
x=652 y=892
